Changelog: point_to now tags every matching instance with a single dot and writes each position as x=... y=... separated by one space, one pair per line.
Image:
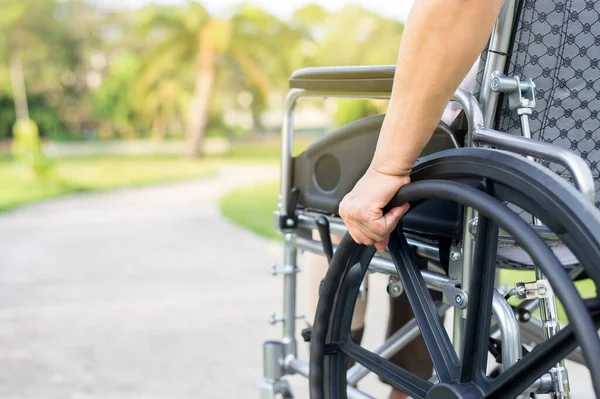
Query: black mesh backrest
x=557 y=44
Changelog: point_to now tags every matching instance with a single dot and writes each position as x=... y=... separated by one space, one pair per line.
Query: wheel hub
x=454 y=391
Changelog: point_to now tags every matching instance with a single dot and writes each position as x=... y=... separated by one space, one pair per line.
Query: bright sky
x=397 y=9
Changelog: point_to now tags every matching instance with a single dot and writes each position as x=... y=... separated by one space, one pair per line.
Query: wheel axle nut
x=455 y=254
x=395 y=288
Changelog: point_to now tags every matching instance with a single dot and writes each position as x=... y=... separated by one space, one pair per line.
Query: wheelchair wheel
x=484 y=180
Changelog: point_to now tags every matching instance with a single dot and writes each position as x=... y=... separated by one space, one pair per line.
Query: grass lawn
x=91 y=174
x=586 y=287
x=252 y=208
x=261 y=150
x=72 y=175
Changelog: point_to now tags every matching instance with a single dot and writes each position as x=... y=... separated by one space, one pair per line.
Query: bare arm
x=441 y=41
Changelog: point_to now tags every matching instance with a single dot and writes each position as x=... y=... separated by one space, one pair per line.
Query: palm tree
x=12 y=15
x=373 y=40
x=249 y=42
x=42 y=41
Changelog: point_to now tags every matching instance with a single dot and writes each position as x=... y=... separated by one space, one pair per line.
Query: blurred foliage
x=114 y=101
x=265 y=149
x=27 y=148
x=351 y=110
x=48 y=121
x=174 y=71
x=94 y=174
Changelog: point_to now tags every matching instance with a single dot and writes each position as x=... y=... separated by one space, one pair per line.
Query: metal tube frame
x=480 y=115
x=289 y=297
x=497 y=55
x=394 y=344
x=507 y=322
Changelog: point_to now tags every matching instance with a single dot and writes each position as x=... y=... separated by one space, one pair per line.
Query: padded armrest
x=345 y=78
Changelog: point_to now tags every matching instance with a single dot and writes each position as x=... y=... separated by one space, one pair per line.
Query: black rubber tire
x=540 y=190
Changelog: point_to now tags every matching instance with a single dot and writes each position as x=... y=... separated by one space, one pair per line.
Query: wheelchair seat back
x=557 y=44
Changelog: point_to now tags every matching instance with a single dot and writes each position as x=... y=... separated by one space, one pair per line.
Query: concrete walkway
x=144 y=293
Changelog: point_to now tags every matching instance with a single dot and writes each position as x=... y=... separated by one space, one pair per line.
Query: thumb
x=395 y=214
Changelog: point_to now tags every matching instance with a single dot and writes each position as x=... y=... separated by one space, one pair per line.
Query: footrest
x=345 y=79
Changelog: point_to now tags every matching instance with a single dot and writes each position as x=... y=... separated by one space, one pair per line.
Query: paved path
x=144 y=293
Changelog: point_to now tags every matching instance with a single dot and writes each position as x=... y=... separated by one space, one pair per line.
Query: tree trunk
x=159 y=129
x=19 y=92
x=257 y=124
x=205 y=77
x=257 y=107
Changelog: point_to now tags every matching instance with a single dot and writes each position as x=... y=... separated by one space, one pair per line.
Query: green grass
x=586 y=287
x=262 y=149
x=17 y=187
x=252 y=208
x=72 y=175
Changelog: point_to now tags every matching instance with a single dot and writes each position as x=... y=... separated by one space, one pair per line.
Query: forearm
x=441 y=41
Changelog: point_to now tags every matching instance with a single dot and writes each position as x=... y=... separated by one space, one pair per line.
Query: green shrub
x=351 y=110
x=27 y=148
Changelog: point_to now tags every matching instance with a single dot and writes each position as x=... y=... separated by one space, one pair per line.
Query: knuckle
x=353 y=213
x=346 y=210
x=342 y=211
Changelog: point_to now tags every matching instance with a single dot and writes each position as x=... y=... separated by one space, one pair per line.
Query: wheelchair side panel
x=331 y=166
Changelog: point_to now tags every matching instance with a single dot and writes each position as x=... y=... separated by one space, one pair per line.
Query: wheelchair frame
x=280 y=356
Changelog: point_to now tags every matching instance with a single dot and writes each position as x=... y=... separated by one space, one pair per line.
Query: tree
x=264 y=52
x=114 y=101
x=45 y=44
x=352 y=36
x=247 y=43
x=11 y=19
x=21 y=32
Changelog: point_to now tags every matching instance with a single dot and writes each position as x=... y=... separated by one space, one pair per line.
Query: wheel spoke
x=543 y=357
x=436 y=338
x=395 y=375
x=479 y=308
x=522 y=375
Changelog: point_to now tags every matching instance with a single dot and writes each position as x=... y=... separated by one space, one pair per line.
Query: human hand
x=362 y=208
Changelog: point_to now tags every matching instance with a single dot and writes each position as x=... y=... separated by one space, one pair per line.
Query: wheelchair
x=491 y=190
